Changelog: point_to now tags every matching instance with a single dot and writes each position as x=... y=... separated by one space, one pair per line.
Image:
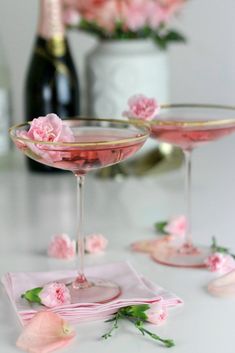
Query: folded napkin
x=135 y=289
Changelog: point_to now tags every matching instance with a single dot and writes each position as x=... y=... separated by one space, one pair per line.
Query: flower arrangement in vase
x=130 y=57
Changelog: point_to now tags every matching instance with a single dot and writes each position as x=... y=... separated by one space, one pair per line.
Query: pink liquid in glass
x=81 y=159
x=189 y=137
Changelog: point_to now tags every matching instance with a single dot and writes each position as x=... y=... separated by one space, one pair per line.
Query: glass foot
x=184 y=256
x=95 y=291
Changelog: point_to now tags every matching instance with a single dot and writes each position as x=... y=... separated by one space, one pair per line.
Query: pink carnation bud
x=219 y=262
x=157 y=313
x=177 y=226
x=95 y=243
x=141 y=107
x=55 y=294
x=62 y=247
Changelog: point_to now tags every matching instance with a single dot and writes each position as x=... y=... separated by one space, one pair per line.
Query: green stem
x=113 y=328
x=167 y=342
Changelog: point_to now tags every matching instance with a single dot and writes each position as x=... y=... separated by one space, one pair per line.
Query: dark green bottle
x=51 y=83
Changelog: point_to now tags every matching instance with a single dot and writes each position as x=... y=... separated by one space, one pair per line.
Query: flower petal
x=45 y=333
x=223 y=286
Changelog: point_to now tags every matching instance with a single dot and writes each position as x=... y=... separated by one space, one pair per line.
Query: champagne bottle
x=4 y=104
x=51 y=83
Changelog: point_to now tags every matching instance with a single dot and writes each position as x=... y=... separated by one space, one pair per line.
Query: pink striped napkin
x=135 y=289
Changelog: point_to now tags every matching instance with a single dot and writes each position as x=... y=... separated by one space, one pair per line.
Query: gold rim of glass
x=133 y=122
x=195 y=123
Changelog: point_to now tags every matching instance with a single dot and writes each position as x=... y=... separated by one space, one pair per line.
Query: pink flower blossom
x=95 y=243
x=49 y=128
x=142 y=107
x=54 y=294
x=218 y=262
x=104 y=13
x=135 y=14
x=162 y=11
x=71 y=17
x=45 y=333
x=177 y=226
x=62 y=247
x=157 y=313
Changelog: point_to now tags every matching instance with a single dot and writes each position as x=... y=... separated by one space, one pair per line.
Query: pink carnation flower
x=218 y=262
x=49 y=128
x=162 y=11
x=157 y=313
x=177 y=226
x=142 y=107
x=135 y=14
x=62 y=247
x=95 y=243
x=54 y=294
x=71 y=17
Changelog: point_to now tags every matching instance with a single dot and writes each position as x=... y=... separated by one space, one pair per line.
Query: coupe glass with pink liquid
x=97 y=143
x=188 y=126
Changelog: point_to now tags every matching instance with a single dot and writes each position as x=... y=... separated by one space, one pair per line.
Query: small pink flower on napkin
x=157 y=313
x=95 y=243
x=142 y=107
x=176 y=226
x=45 y=333
x=62 y=247
x=218 y=262
x=54 y=294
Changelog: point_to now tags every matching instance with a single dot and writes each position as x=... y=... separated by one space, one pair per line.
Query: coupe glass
x=188 y=126
x=98 y=143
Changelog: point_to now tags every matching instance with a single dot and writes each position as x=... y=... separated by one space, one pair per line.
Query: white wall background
x=203 y=70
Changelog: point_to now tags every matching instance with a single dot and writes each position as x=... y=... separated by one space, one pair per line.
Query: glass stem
x=188 y=194
x=80 y=281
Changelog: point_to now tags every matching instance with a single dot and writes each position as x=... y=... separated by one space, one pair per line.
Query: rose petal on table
x=224 y=286
x=150 y=245
x=45 y=333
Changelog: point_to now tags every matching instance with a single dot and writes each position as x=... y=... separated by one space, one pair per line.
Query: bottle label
x=4 y=121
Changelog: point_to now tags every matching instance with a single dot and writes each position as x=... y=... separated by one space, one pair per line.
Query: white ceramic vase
x=118 y=69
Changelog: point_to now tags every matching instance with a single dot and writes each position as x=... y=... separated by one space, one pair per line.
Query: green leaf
x=135 y=311
x=32 y=295
x=164 y=38
x=174 y=36
x=159 y=226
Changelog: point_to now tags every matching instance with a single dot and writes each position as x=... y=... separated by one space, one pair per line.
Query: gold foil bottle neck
x=56 y=46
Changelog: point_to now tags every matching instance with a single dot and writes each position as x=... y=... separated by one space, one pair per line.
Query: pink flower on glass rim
x=177 y=226
x=218 y=262
x=45 y=333
x=62 y=247
x=142 y=107
x=49 y=128
x=157 y=313
x=95 y=243
x=54 y=294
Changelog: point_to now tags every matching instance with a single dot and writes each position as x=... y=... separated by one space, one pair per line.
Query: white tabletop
x=34 y=207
